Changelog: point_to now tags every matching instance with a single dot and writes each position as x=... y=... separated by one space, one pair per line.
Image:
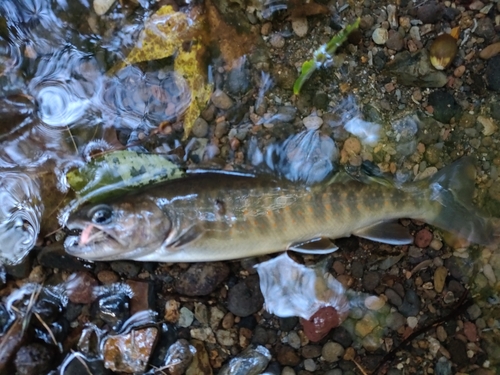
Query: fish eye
x=101 y=214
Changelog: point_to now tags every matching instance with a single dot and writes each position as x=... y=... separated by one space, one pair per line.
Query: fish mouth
x=88 y=236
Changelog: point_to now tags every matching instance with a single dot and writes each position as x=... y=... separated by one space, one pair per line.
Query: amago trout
x=213 y=216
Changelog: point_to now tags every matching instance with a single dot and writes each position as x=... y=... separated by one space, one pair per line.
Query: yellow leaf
x=187 y=65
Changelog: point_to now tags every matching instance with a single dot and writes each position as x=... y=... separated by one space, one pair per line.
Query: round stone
x=332 y=351
x=380 y=35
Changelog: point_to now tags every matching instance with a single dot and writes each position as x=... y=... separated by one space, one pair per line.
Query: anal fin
x=320 y=245
x=391 y=233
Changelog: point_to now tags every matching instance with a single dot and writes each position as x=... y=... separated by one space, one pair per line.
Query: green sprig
x=322 y=54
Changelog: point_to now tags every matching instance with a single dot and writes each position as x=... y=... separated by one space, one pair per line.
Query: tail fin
x=453 y=187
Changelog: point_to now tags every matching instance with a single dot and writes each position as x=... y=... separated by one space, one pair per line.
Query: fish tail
x=453 y=187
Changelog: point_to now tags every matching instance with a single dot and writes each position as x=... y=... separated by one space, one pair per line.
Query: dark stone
x=357 y=269
x=73 y=311
x=371 y=281
x=144 y=296
x=248 y=322
x=167 y=335
x=485 y=28
x=495 y=110
x=342 y=336
x=492 y=74
x=454 y=267
x=458 y=352
x=456 y=288
x=33 y=359
x=238 y=79
x=201 y=279
x=444 y=105
x=320 y=100
x=82 y=366
x=395 y=41
x=443 y=367
x=273 y=368
x=393 y=297
x=430 y=12
x=449 y=13
x=260 y=336
x=21 y=270
x=54 y=256
x=311 y=351
x=126 y=269
x=411 y=304
x=245 y=298
x=287 y=324
x=113 y=309
x=379 y=60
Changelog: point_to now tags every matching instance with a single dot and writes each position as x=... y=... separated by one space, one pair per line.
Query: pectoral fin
x=189 y=235
x=386 y=232
x=320 y=245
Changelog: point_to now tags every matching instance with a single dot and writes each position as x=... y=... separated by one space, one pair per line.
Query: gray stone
x=332 y=351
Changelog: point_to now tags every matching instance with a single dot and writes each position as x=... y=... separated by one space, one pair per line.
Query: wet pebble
x=342 y=336
x=287 y=324
x=221 y=100
x=371 y=281
x=201 y=361
x=411 y=304
x=458 y=352
x=225 y=337
x=470 y=331
x=203 y=334
x=80 y=287
x=129 y=352
x=474 y=312
x=395 y=41
x=312 y=122
x=493 y=74
x=179 y=357
x=332 y=351
x=113 y=308
x=277 y=40
x=320 y=323
x=311 y=351
x=143 y=297
x=393 y=297
x=127 y=269
x=293 y=339
x=245 y=298
x=430 y=12
x=250 y=361
x=374 y=303
x=200 y=128
x=441 y=334
x=440 y=275
x=287 y=356
x=443 y=367
x=380 y=35
x=33 y=359
x=490 y=51
x=201 y=279
x=444 y=105
x=395 y=321
x=423 y=238
x=107 y=277
x=300 y=26
x=365 y=325
x=186 y=317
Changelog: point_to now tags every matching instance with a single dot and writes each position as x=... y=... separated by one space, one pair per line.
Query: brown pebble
x=423 y=238
x=228 y=321
x=107 y=277
x=470 y=331
x=349 y=354
x=459 y=71
x=490 y=51
x=172 y=311
x=287 y=356
x=352 y=146
x=129 y=352
x=80 y=287
x=311 y=351
x=143 y=296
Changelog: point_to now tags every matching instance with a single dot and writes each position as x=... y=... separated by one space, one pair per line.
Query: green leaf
x=119 y=172
x=307 y=70
x=322 y=54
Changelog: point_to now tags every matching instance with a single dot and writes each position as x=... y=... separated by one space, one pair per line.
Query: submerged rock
x=130 y=352
x=201 y=279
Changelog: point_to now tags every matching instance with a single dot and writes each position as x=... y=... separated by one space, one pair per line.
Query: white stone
x=300 y=27
x=102 y=6
x=380 y=35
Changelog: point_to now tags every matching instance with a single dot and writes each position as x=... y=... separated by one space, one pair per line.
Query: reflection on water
x=137 y=100
x=21 y=210
x=64 y=86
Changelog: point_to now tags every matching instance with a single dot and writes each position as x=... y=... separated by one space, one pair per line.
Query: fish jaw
x=94 y=242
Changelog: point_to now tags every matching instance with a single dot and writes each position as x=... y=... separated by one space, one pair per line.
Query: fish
x=222 y=216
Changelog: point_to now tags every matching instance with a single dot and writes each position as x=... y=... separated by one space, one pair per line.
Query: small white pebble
x=312 y=122
x=412 y=321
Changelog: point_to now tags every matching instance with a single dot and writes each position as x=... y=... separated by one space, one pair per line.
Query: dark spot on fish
x=137 y=172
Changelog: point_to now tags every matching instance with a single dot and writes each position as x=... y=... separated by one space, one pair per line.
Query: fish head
x=120 y=230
